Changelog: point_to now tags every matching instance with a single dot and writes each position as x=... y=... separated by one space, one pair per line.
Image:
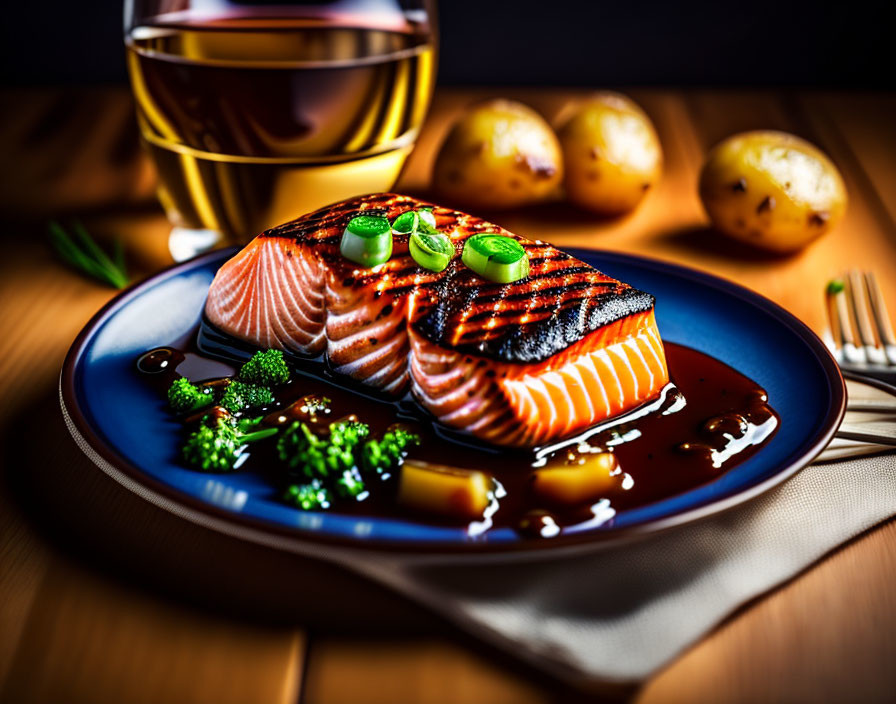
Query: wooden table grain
x=98 y=602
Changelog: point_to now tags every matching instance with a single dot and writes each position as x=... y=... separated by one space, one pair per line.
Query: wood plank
x=94 y=152
x=72 y=634
x=24 y=561
x=22 y=109
x=90 y=640
x=829 y=636
x=384 y=671
x=45 y=305
x=71 y=133
x=865 y=122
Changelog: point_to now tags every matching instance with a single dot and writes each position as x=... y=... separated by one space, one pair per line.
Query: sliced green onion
x=411 y=220
x=427 y=217
x=406 y=223
x=367 y=240
x=431 y=250
x=497 y=258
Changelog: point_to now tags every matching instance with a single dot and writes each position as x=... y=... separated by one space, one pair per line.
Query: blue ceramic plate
x=120 y=422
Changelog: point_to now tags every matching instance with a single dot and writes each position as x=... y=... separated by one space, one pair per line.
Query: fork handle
x=879 y=433
x=884 y=374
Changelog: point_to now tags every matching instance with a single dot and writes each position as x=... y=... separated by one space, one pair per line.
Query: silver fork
x=861 y=335
x=855 y=303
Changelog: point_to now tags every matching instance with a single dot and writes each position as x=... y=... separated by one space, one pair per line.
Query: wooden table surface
x=98 y=602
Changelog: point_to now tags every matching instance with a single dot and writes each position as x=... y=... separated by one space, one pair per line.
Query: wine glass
x=255 y=114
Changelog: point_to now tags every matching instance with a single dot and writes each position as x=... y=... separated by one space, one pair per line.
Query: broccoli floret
x=341 y=460
x=184 y=397
x=329 y=459
x=348 y=433
x=351 y=485
x=240 y=396
x=266 y=368
x=383 y=457
x=217 y=447
x=309 y=497
x=316 y=456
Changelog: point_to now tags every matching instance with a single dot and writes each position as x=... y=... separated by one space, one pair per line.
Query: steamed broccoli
x=329 y=459
x=310 y=496
x=382 y=457
x=300 y=448
x=184 y=397
x=351 y=485
x=341 y=461
x=266 y=368
x=240 y=396
x=217 y=447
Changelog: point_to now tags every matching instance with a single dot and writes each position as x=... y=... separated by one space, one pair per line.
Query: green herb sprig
x=84 y=254
x=835 y=286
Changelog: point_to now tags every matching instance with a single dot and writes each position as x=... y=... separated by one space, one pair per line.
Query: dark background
x=556 y=42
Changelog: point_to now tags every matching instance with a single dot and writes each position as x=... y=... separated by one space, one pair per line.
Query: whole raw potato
x=499 y=154
x=611 y=154
x=771 y=189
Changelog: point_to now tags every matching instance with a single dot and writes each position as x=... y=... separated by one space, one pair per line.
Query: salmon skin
x=518 y=364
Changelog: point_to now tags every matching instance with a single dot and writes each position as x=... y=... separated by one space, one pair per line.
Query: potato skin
x=772 y=190
x=611 y=154
x=499 y=154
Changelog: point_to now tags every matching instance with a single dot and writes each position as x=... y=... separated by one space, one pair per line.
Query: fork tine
x=834 y=337
x=851 y=352
x=881 y=317
x=859 y=299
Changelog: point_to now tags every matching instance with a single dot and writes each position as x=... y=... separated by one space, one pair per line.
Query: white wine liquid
x=254 y=122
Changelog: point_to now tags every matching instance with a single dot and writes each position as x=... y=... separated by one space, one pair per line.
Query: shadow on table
x=88 y=517
x=706 y=240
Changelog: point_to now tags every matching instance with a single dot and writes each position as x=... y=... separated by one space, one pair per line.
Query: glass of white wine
x=256 y=113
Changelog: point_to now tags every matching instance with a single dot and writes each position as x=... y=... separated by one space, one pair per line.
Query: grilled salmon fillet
x=518 y=364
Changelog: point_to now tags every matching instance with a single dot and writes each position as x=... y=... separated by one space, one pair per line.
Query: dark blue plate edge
x=294 y=540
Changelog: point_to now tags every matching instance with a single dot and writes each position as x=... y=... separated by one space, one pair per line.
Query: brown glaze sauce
x=708 y=420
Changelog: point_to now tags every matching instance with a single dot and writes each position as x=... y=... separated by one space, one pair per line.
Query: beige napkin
x=615 y=616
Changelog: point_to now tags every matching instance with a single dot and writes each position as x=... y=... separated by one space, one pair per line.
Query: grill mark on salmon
x=516 y=364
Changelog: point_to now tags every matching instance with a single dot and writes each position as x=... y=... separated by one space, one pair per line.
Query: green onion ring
x=411 y=220
x=367 y=240
x=406 y=223
x=497 y=258
x=431 y=250
x=427 y=218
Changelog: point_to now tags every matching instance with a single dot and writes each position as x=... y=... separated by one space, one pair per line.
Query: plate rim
x=259 y=531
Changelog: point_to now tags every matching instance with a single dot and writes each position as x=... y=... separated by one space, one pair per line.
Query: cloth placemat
x=616 y=616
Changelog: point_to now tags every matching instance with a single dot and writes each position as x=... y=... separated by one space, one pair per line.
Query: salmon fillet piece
x=519 y=364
